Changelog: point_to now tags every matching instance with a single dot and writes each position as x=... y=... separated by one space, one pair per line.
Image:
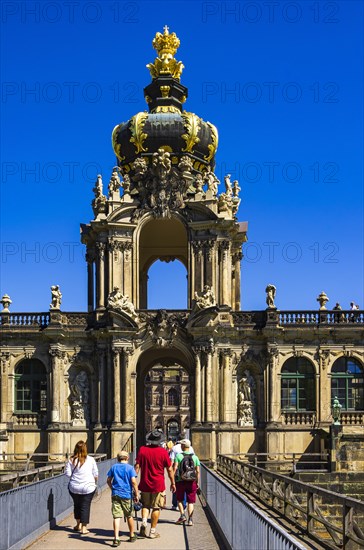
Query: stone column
x=197 y=351
x=109 y=385
x=90 y=259
x=272 y=390
x=127 y=264
x=116 y=392
x=323 y=397
x=101 y=388
x=209 y=386
x=5 y=386
x=235 y=299
x=227 y=413
x=225 y=272
x=100 y=275
x=56 y=383
x=209 y=263
x=198 y=263
x=127 y=412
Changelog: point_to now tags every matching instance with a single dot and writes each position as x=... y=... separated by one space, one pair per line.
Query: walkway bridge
x=272 y=512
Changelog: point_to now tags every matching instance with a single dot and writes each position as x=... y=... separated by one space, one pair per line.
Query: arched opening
x=165 y=401
x=167 y=286
x=298 y=385
x=164 y=240
x=347 y=383
x=30 y=387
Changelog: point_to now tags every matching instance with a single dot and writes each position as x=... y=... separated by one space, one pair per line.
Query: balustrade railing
x=30 y=419
x=352 y=418
x=299 y=418
x=329 y=518
x=32 y=320
x=321 y=317
x=288 y=462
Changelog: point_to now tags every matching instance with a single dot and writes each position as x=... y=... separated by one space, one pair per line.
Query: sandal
x=116 y=542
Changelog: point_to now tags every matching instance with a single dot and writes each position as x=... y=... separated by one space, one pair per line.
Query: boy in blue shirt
x=121 y=478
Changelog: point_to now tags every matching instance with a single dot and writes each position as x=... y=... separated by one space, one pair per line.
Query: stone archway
x=164 y=390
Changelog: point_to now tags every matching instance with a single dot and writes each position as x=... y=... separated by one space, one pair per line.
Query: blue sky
x=283 y=83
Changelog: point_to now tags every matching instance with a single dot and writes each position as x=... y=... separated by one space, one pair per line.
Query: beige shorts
x=152 y=500
x=121 y=507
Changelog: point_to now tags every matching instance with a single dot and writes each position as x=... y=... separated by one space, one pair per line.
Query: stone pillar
x=197 y=351
x=323 y=397
x=56 y=383
x=273 y=395
x=116 y=392
x=90 y=259
x=101 y=388
x=128 y=408
x=5 y=386
x=235 y=299
x=227 y=412
x=127 y=248
x=209 y=263
x=198 y=263
x=225 y=273
x=209 y=386
x=100 y=276
x=109 y=385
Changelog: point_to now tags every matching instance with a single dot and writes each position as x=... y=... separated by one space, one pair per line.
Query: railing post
x=310 y=510
x=347 y=524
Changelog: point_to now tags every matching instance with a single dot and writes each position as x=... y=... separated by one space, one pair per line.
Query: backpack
x=187 y=468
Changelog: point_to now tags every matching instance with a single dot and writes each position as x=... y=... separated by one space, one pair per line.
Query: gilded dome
x=166 y=126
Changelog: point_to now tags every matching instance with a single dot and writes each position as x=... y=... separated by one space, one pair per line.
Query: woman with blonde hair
x=83 y=473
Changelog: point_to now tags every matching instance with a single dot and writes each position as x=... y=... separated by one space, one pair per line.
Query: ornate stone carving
x=5 y=301
x=100 y=247
x=56 y=297
x=118 y=301
x=79 y=398
x=246 y=400
x=99 y=202
x=205 y=299
x=271 y=294
x=114 y=184
x=211 y=181
x=162 y=328
x=322 y=299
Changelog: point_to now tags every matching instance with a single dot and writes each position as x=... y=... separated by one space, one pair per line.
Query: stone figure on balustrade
x=119 y=301
x=205 y=299
x=56 y=297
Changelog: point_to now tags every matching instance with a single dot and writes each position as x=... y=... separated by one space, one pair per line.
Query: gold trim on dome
x=192 y=128
x=166 y=109
x=137 y=134
x=212 y=147
x=115 y=145
x=166 y=46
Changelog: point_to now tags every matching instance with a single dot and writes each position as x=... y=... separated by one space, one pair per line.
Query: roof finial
x=166 y=46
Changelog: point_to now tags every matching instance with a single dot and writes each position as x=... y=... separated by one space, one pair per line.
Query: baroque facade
x=249 y=381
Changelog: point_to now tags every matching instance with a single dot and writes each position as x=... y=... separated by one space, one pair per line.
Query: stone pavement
x=173 y=537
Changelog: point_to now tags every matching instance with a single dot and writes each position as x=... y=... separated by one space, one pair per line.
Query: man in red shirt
x=152 y=460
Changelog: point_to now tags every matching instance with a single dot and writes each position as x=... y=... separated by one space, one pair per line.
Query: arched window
x=30 y=387
x=173 y=400
x=347 y=383
x=298 y=385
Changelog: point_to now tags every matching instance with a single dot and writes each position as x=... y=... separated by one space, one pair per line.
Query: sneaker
x=116 y=542
x=190 y=522
x=154 y=535
x=143 y=531
x=133 y=538
x=181 y=520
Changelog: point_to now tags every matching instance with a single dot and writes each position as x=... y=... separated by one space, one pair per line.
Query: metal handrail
x=299 y=503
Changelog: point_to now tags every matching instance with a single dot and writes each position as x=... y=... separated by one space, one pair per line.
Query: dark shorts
x=188 y=487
